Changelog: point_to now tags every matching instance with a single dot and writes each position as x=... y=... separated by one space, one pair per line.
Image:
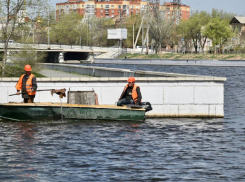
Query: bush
x=19 y=59
x=16 y=71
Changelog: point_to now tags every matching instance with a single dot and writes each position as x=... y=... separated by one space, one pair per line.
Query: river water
x=154 y=150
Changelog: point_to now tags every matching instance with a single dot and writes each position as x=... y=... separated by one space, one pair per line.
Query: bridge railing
x=55 y=46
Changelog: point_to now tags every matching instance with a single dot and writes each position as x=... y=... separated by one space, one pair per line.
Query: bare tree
x=160 y=26
x=99 y=30
x=13 y=13
x=9 y=14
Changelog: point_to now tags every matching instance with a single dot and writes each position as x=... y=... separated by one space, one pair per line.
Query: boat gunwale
x=66 y=105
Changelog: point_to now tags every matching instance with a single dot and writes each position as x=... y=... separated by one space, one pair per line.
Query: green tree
x=97 y=30
x=218 y=31
x=67 y=29
x=222 y=15
x=191 y=29
x=130 y=22
x=100 y=31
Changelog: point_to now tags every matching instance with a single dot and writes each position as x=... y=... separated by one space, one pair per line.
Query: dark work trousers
x=29 y=100
x=124 y=102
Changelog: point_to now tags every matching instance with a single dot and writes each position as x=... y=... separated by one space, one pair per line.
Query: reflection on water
x=17 y=143
x=171 y=149
x=61 y=110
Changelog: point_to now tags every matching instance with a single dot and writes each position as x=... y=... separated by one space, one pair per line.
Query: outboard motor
x=146 y=106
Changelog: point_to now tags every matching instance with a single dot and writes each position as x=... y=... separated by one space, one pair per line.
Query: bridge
x=61 y=53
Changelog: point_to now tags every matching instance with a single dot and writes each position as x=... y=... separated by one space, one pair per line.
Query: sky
x=231 y=6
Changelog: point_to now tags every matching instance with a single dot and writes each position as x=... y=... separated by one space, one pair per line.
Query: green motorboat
x=55 y=111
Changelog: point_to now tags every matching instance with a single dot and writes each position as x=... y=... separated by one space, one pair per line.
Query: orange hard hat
x=27 y=67
x=131 y=79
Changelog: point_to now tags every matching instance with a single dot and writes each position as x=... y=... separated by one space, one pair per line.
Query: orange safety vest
x=134 y=92
x=28 y=84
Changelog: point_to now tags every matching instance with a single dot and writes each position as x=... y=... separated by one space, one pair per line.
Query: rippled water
x=154 y=150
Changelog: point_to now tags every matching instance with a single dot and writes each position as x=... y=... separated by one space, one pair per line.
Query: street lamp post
x=48 y=30
x=48 y=35
x=87 y=30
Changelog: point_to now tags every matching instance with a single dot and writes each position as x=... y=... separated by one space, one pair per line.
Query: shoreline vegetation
x=184 y=56
x=17 y=71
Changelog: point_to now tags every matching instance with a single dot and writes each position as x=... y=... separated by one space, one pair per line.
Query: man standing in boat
x=27 y=84
x=131 y=94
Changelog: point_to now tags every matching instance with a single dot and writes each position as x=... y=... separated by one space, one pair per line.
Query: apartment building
x=117 y=8
x=101 y=8
x=180 y=11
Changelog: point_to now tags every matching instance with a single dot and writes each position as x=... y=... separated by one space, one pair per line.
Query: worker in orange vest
x=27 y=84
x=131 y=94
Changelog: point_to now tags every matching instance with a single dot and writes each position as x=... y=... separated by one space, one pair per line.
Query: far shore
x=184 y=56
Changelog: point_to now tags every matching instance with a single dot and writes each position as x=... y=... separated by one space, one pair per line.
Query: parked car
x=12 y=41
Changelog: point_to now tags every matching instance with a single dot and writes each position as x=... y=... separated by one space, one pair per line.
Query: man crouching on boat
x=131 y=94
x=27 y=84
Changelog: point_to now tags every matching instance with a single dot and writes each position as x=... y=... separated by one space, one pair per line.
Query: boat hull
x=51 y=112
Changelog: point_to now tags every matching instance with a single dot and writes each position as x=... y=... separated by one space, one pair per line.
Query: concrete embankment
x=171 y=95
x=186 y=62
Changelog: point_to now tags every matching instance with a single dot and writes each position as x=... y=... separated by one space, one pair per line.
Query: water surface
x=154 y=150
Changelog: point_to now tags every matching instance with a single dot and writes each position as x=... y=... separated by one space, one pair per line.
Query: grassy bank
x=15 y=71
x=185 y=56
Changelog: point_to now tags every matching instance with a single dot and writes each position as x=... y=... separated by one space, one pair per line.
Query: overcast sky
x=232 y=6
